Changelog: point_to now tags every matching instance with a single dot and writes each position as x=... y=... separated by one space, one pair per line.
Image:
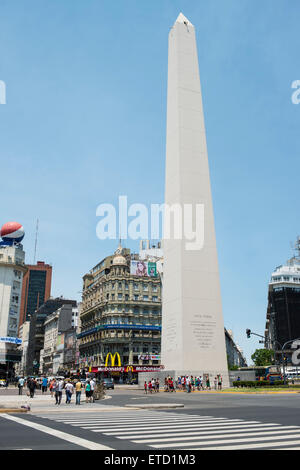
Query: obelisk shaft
x=192 y=322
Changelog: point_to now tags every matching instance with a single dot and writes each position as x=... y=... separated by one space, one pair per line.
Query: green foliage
x=263 y=357
x=258 y=383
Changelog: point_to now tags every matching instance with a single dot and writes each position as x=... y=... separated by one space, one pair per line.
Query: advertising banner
x=9 y=339
x=143 y=268
x=60 y=342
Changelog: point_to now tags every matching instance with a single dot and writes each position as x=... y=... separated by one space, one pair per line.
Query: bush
x=258 y=383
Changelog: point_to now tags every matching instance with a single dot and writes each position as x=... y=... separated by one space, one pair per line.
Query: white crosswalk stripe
x=164 y=430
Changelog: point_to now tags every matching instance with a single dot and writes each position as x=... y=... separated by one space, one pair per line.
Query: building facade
x=120 y=314
x=235 y=356
x=36 y=289
x=12 y=270
x=37 y=331
x=59 y=342
x=283 y=311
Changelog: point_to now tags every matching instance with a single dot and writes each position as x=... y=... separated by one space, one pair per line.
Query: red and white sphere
x=12 y=232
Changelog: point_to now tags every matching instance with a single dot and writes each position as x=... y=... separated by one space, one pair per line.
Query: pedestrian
x=157 y=385
x=179 y=383
x=59 y=385
x=44 y=384
x=192 y=383
x=188 y=383
x=201 y=382
x=20 y=385
x=78 y=388
x=220 y=382
x=215 y=382
x=145 y=387
x=88 y=392
x=207 y=382
x=150 y=386
x=69 y=391
x=31 y=386
x=51 y=387
x=92 y=383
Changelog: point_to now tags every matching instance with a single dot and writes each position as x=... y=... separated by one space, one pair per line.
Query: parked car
x=2 y=382
x=108 y=383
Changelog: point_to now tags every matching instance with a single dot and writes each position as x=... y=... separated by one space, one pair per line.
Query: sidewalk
x=46 y=403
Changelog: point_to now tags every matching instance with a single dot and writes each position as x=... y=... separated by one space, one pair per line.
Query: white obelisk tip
x=182 y=19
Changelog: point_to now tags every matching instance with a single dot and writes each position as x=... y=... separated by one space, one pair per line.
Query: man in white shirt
x=69 y=391
x=92 y=384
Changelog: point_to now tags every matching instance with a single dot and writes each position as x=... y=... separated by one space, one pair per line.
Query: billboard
x=143 y=268
x=60 y=342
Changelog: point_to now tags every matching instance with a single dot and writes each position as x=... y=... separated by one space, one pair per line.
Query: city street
x=208 y=420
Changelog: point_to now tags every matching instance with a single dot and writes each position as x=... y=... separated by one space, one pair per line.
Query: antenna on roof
x=36 y=237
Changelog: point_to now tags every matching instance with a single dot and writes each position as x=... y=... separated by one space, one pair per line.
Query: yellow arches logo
x=113 y=359
x=129 y=368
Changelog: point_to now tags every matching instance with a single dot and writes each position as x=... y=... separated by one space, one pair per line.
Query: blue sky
x=85 y=121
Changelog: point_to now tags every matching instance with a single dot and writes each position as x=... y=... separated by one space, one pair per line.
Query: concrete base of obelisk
x=162 y=374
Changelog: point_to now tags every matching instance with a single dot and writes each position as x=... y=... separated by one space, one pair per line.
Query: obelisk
x=193 y=340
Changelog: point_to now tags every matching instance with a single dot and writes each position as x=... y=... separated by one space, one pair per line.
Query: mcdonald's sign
x=113 y=359
x=129 y=368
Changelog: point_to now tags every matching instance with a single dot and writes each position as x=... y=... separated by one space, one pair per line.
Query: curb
x=13 y=410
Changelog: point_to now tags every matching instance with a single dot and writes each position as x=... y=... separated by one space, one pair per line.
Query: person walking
x=215 y=383
x=69 y=392
x=157 y=385
x=145 y=387
x=51 y=387
x=31 y=386
x=21 y=385
x=219 y=382
x=188 y=383
x=44 y=385
x=59 y=385
x=88 y=392
x=78 y=388
x=92 y=383
x=207 y=382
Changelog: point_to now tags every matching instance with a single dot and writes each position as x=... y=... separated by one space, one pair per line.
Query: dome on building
x=119 y=259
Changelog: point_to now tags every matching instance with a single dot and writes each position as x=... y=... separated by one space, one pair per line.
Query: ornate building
x=120 y=313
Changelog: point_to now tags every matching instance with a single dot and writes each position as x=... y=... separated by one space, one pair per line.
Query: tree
x=263 y=357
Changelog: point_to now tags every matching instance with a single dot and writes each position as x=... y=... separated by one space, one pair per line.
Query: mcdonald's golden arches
x=113 y=359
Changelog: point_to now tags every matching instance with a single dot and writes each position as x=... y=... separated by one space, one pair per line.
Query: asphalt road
x=267 y=420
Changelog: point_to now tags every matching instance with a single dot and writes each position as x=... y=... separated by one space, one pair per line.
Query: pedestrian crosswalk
x=176 y=431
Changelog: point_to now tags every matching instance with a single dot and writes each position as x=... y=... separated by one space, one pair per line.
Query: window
x=154 y=298
x=145 y=297
x=136 y=297
x=120 y=296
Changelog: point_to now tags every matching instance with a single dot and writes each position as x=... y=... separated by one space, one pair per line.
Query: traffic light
x=248 y=332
